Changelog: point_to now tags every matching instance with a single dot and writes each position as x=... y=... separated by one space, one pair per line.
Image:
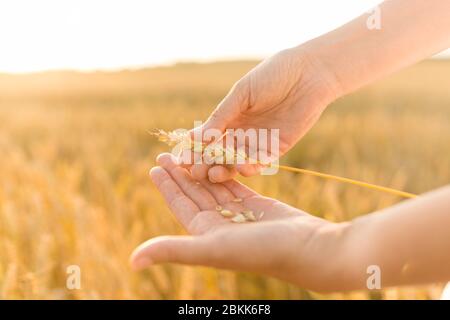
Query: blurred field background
x=75 y=155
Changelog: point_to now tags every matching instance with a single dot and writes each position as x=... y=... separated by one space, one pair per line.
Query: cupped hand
x=288 y=91
x=285 y=242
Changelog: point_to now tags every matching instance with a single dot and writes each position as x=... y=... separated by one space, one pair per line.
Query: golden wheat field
x=74 y=186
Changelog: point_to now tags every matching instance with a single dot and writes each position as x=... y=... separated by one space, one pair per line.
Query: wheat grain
x=239 y=218
x=226 y=213
x=248 y=214
x=261 y=215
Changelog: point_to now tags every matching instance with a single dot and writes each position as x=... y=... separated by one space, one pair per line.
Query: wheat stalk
x=183 y=138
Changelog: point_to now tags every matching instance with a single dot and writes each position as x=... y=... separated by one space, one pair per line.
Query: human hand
x=286 y=243
x=288 y=92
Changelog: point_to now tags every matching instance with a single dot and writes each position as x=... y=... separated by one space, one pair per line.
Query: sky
x=115 y=34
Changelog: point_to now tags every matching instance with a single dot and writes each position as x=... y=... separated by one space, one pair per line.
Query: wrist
x=354 y=253
x=346 y=253
x=323 y=70
x=325 y=266
x=336 y=270
x=318 y=74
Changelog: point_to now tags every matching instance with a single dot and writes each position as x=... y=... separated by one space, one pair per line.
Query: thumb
x=229 y=108
x=178 y=249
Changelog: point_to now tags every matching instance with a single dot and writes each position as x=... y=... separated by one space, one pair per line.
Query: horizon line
x=138 y=67
x=170 y=64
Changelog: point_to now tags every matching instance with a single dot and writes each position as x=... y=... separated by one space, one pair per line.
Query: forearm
x=410 y=242
x=411 y=30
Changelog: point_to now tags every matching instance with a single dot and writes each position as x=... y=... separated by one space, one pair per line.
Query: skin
x=282 y=244
x=287 y=87
x=290 y=90
x=410 y=242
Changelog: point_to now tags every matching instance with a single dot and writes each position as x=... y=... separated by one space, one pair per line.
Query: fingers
x=183 y=207
x=189 y=158
x=191 y=188
x=230 y=107
x=219 y=173
x=177 y=249
x=238 y=189
x=248 y=170
x=215 y=173
x=219 y=191
x=200 y=171
x=228 y=249
x=227 y=110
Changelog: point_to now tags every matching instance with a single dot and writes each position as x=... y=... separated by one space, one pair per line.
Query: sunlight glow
x=86 y=35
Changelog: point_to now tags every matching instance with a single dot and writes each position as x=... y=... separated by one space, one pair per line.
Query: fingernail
x=211 y=178
x=141 y=263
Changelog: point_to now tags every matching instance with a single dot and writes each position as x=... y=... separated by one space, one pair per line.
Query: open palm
x=283 y=243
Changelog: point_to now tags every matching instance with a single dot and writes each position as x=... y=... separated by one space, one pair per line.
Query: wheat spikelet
x=218 y=153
